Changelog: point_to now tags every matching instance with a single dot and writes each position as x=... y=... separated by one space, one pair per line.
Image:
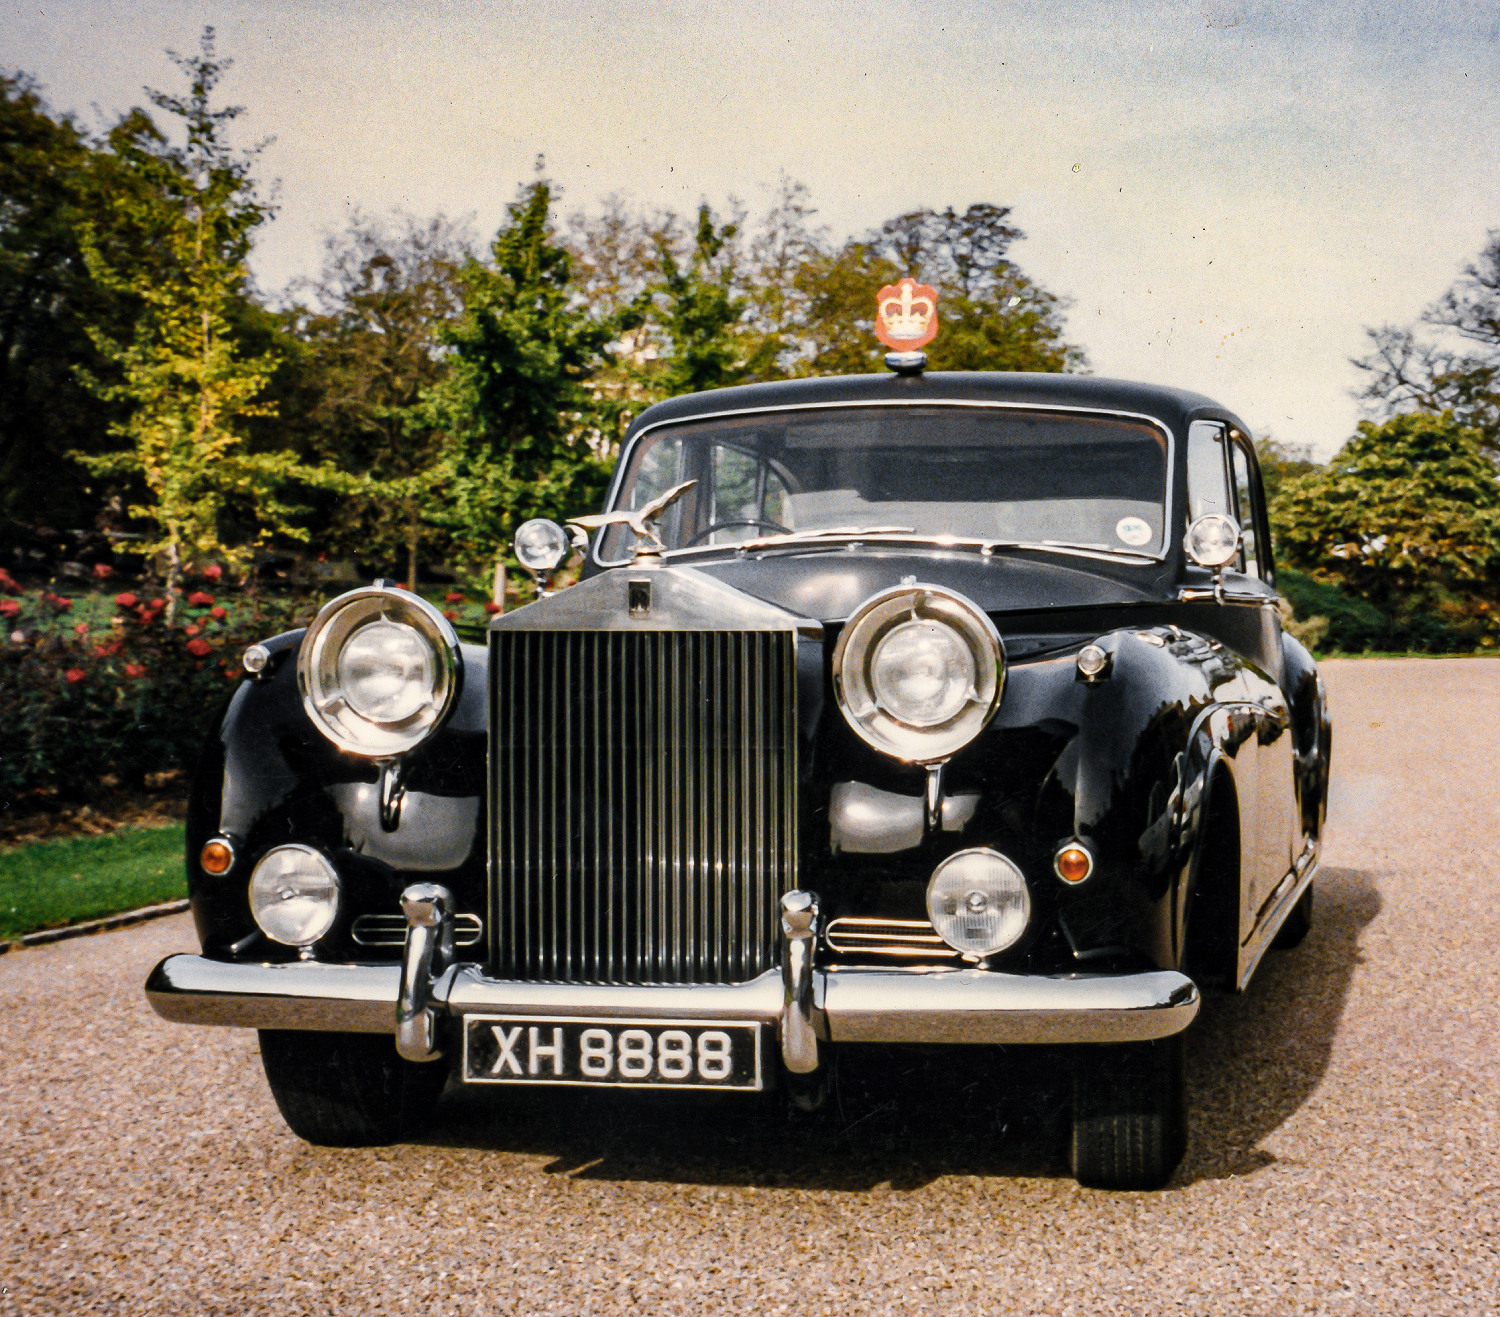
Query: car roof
x=1174 y=407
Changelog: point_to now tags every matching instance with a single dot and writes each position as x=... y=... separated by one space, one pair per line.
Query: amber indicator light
x=1073 y=864
x=216 y=857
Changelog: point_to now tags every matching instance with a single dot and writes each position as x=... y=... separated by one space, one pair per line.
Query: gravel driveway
x=1343 y=1156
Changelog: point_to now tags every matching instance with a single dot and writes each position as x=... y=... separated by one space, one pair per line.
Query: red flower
x=9 y=608
x=455 y=597
x=199 y=647
x=190 y=630
x=62 y=605
x=80 y=628
x=126 y=600
x=450 y=614
x=218 y=614
x=492 y=607
x=213 y=571
x=200 y=600
x=103 y=570
x=73 y=676
x=135 y=669
x=8 y=582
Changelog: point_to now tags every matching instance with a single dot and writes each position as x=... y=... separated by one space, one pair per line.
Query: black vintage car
x=910 y=708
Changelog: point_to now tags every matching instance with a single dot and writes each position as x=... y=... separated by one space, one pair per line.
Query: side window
x=1208 y=478
x=1247 y=496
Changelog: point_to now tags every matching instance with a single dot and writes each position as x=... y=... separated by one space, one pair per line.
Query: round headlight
x=294 y=895
x=978 y=902
x=1212 y=540
x=378 y=670
x=919 y=671
x=541 y=544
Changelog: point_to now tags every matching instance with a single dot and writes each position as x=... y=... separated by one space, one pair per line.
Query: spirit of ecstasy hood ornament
x=642 y=521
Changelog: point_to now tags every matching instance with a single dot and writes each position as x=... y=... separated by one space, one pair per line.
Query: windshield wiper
x=1066 y=546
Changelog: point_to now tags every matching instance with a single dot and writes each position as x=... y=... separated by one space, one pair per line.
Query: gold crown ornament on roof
x=906 y=321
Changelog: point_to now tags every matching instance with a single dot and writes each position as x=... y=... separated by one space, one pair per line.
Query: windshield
x=974 y=473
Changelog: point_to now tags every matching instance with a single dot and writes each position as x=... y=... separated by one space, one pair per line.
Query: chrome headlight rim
x=877 y=618
x=328 y=706
x=261 y=909
x=999 y=944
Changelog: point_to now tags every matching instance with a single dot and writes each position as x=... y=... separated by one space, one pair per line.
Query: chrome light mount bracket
x=429 y=950
x=799 y=931
x=392 y=792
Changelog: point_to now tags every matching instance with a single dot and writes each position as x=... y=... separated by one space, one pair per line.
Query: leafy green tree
x=516 y=406
x=188 y=387
x=1406 y=516
x=1280 y=462
x=702 y=313
x=54 y=177
x=993 y=317
x=373 y=352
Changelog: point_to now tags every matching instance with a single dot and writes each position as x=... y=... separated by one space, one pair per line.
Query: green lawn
x=51 y=883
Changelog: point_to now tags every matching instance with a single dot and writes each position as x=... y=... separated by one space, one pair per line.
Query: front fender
x=1130 y=784
x=268 y=777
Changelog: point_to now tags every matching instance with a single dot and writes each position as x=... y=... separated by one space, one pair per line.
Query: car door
x=1276 y=819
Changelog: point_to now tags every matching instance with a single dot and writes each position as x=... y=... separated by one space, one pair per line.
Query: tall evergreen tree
x=188 y=387
x=515 y=405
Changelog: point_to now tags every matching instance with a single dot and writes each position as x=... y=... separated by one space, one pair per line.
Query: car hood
x=829 y=583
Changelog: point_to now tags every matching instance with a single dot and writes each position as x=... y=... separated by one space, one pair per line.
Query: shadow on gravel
x=907 y=1116
x=1254 y=1059
x=897 y=1116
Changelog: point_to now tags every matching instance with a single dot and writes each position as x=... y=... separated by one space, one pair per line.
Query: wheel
x=1298 y=923
x=1129 y=1114
x=347 y=1090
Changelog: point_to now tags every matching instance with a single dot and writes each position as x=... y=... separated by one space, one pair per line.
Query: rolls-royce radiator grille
x=645 y=803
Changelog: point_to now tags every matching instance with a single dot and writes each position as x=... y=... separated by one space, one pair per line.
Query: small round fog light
x=541 y=545
x=1092 y=660
x=294 y=895
x=216 y=857
x=1073 y=863
x=978 y=902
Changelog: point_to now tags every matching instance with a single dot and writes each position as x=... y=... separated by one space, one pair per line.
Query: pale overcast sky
x=1227 y=191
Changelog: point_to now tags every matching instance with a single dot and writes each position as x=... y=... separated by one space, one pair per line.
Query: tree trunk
x=411 y=548
x=174 y=580
x=500 y=583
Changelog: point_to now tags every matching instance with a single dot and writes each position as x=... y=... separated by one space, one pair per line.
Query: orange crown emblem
x=906 y=315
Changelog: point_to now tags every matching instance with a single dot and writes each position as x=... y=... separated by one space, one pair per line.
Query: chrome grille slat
x=645 y=813
x=887 y=937
x=390 y=930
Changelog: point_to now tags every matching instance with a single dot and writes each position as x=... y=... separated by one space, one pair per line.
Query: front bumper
x=853 y=1005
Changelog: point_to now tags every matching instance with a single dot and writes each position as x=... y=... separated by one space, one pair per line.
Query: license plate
x=527 y=1049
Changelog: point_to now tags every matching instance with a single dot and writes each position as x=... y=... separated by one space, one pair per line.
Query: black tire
x=348 y=1090
x=1129 y=1114
x=1298 y=923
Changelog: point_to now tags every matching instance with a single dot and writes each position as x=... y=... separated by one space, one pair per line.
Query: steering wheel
x=730 y=525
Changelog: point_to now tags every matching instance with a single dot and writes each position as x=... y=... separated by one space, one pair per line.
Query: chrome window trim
x=628 y=453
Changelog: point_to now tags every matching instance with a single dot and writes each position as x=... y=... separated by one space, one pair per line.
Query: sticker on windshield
x=1134 y=532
